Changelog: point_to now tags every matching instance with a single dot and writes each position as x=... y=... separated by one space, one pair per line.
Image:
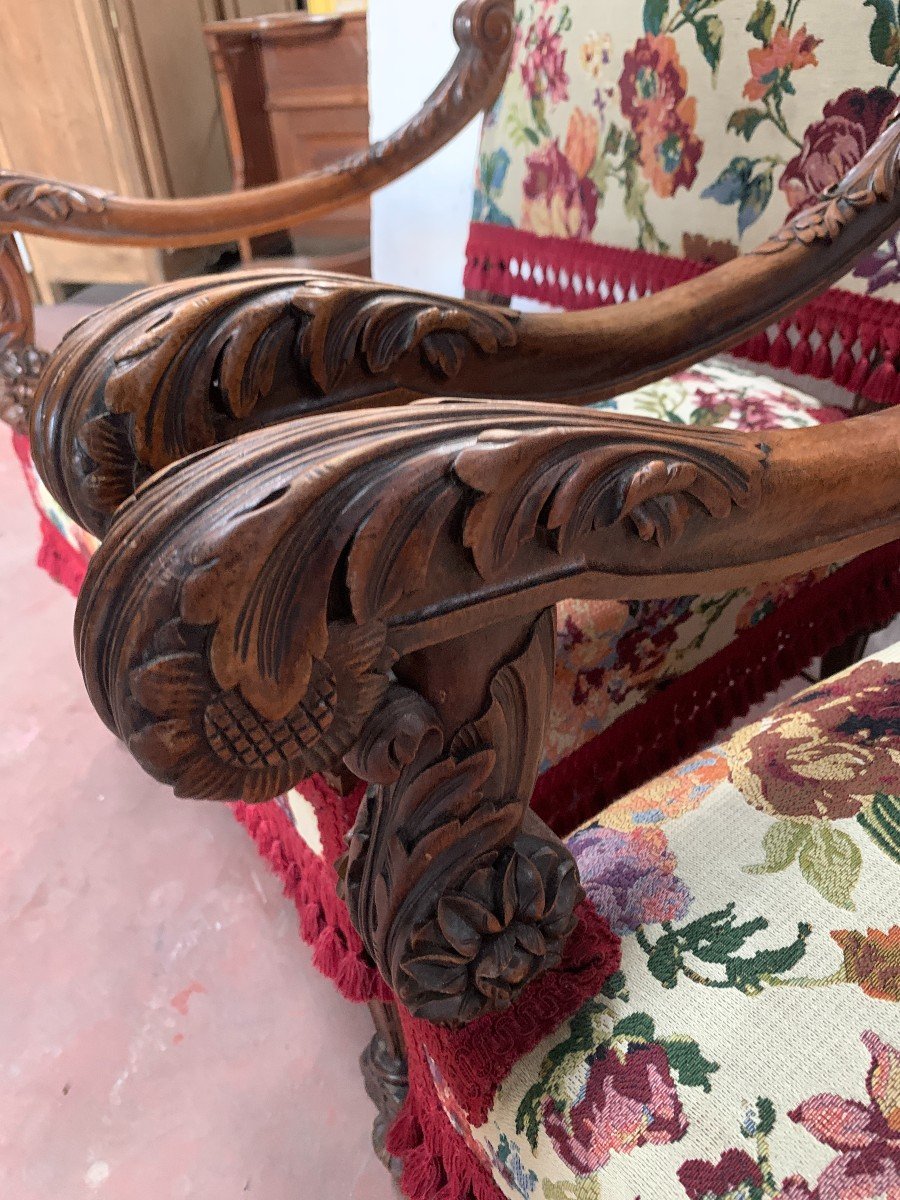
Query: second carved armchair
x=349 y=532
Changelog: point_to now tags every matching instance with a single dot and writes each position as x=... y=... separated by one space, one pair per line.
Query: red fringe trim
x=850 y=339
x=686 y=715
x=477 y=1058
x=437 y=1162
x=311 y=883
x=62 y=562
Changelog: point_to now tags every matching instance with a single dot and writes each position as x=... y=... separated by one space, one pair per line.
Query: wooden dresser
x=294 y=92
x=117 y=94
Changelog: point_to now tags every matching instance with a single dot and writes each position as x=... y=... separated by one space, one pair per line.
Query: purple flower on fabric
x=630 y=877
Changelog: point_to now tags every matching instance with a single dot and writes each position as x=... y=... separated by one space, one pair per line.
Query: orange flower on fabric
x=785 y=52
x=872 y=960
x=582 y=140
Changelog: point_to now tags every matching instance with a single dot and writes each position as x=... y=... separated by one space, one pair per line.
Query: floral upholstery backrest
x=688 y=129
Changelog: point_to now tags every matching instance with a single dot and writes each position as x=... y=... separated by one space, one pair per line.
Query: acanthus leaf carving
x=572 y=486
x=54 y=201
x=357 y=326
x=295 y=550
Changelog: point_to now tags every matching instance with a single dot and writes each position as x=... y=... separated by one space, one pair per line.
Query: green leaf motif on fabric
x=654 y=15
x=715 y=941
x=831 y=861
x=782 y=843
x=585 y=1189
x=762 y=21
x=881 y=821
x=688 y=1064
x=710 y=32
x=884 y=36
x=745 y=121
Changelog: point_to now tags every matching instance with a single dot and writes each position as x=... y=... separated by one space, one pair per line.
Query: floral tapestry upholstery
x=749 y=1045
x=635 y=144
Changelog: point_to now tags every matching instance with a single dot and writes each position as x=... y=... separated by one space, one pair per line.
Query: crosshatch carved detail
x=460 y=894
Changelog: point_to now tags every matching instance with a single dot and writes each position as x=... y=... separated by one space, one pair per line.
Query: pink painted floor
x=163 y=1033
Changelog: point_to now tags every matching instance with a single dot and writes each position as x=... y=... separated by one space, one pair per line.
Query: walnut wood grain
x=184 y=366
x=484 y=30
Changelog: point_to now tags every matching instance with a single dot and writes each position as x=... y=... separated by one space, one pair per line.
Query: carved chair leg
x=460 y=893
x=845 y=655
x=383 y=1064
x=20 y=360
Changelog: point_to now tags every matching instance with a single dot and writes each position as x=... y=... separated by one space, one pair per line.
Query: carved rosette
x=461 y=895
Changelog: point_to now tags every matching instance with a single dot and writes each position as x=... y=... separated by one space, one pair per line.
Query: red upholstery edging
x=477 y=1058
x=866 y=328
x=437 y=1162
x=62 y=562
x=687 y=714
x=312 y=884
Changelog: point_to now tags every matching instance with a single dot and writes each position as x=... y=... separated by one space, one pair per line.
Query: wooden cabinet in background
x=294 y=92
x=117 y=94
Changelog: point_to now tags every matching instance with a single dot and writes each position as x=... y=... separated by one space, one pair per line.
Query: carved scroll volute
x=460 y=893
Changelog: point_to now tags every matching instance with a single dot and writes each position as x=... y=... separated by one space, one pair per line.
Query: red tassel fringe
x=576 y=275
x=311 y=883
x=437 y=1162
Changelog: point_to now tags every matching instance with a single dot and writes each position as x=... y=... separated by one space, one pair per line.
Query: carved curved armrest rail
x=176 y=369
x=374 y=587
x=484 y=31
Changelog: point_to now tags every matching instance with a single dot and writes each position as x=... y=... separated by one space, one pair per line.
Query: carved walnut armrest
x=182 y=367
x=484 y=32
x=378 y=588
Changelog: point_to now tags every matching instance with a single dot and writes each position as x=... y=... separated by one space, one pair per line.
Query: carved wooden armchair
x=335 y=589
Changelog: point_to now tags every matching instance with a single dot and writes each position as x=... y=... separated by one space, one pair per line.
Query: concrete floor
x=163 y=1033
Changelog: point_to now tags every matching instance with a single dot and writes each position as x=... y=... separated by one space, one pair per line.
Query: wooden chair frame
x=50 y=208
x=329 y=570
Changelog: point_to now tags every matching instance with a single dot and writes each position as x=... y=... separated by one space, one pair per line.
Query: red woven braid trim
x=62 y=562
x=686 y=715
x=311 y=883
x=850 y=339
x=476 y=1058
x=438 y=1164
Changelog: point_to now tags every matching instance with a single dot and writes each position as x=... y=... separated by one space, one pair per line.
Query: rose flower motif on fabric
x=653 y=88
x=849 y=126
x=867 y=1136
x=631 y=878
x=557 y=201
x=491 y=937
x=829 y=754
x=630 y=1100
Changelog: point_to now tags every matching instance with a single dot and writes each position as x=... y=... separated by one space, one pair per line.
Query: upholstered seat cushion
x=749 y=1045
